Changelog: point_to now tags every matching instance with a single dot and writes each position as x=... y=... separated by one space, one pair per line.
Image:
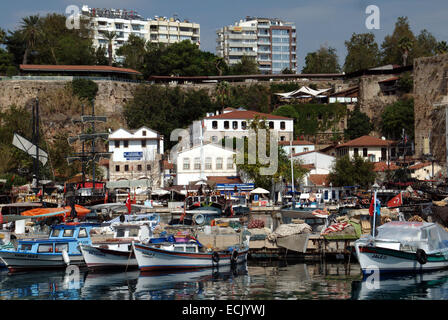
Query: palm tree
x=442 y=47
x=109 y=36
x=30 y=29
x=405 y=44
x=2 y=36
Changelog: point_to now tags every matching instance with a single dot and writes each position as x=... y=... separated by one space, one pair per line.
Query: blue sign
x=133 y=155
x=231 y=186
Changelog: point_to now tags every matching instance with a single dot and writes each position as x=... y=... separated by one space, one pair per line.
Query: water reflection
x=270 y=280
x=432 y=286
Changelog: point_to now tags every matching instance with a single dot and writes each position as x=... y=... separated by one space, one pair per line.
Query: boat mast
x=292 y=176
x=36 y=142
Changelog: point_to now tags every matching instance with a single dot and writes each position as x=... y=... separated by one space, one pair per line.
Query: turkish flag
x=371 y=208
x=128 y=203
x=39 y=193
x=395 y=201
x=1 y=217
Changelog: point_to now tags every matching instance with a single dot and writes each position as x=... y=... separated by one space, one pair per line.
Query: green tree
x=396 y=117
x=442 y=47
x=247 y=65
x=253 y=171
x=405 y=44
x=84 y=89
x=222 y=93
x=324 y=60
x=2 y=36
x=101 y=56
x=109 y=36
x=406 y=82
x=362 y=52
x=425 y=45
x=30 y=30
x=392 y=51
x=351 y=172
x=133 y=52
x=358 y=124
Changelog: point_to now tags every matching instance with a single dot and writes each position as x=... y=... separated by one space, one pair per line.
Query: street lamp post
x=375 y=188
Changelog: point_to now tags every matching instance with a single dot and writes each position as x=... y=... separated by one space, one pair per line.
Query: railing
x=68 y=78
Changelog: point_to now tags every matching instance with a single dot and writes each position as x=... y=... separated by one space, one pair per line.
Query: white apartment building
x=124 y=23
x=236 y=123
x=296 y=146
x=271 y=42
x=197 y=163
x=136 y=155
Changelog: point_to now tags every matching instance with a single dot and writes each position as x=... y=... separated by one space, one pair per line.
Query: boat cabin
x=62 y=237
x=409 y=236
x=182 y=247
x=134 y=230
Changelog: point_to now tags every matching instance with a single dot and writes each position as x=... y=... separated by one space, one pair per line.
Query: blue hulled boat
x=59 y=250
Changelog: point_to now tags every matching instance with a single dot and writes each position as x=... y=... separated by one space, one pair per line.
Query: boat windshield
x=401 y=234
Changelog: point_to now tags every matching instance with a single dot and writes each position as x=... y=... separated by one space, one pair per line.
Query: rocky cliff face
x=430 y=87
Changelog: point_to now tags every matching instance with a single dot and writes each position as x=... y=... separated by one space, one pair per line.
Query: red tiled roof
x=218 y=179
x=167 y=165
x=382 y=166
x=296 y=143
x=79 y=68
x=308 y=166
x=319 y=179
x=419 y=165
x=367 y=141
x=389 y=80
x=247 y=115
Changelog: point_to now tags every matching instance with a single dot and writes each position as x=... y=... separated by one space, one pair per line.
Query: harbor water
x=274 y=280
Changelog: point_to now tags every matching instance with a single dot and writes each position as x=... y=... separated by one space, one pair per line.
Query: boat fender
x=422 y=258
x=213 y=223
x=66 y=257
x=234 y=257
x=215 y=256
x=122 y=218
x=199 y=219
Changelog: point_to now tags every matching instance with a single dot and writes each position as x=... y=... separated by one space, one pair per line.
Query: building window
x=293 y=150
x=355 y=151
x=392 y=152
x=126 y=167
x=364 y=152
x=383 y=154
x=208 y=163
x=148 y=167
x=126 y=144
x=235 y=125
x=282 y=138
x=271 y=124
x=243 y=125
x=305 y=150
x=215 y=125
x=117 y=144
x=219 y=163
x=197 y=163
x=214 y=139
x=226 y=124
x=230 y=163
x=143 y=143
x=186 y=164
x=282 y=125
x=144 y=133
x=117 y=168
x=139 y=167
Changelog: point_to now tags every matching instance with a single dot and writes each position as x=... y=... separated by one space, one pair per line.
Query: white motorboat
x=404 y=246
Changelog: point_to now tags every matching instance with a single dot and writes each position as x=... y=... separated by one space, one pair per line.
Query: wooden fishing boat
x=117 y=252
x=191 y=255
x=402 y=246
x=58 y=251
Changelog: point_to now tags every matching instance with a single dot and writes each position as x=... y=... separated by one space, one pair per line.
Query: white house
x=136 y=154
x=370 y=148
x=199 y=162
x=235 y=123
x=322 y=163
x=424 y=170
x=298 y=146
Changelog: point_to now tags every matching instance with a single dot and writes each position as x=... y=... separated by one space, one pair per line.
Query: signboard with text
x=133 y=155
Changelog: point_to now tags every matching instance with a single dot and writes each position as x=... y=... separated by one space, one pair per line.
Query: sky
x=318 y=23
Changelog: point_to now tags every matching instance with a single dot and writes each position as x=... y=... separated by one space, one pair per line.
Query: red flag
x=128 y=203
x=65 y=188
x=371 y=208
x=395 y=201
x=39 y=193
x=1 y=217
x=106 y=197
